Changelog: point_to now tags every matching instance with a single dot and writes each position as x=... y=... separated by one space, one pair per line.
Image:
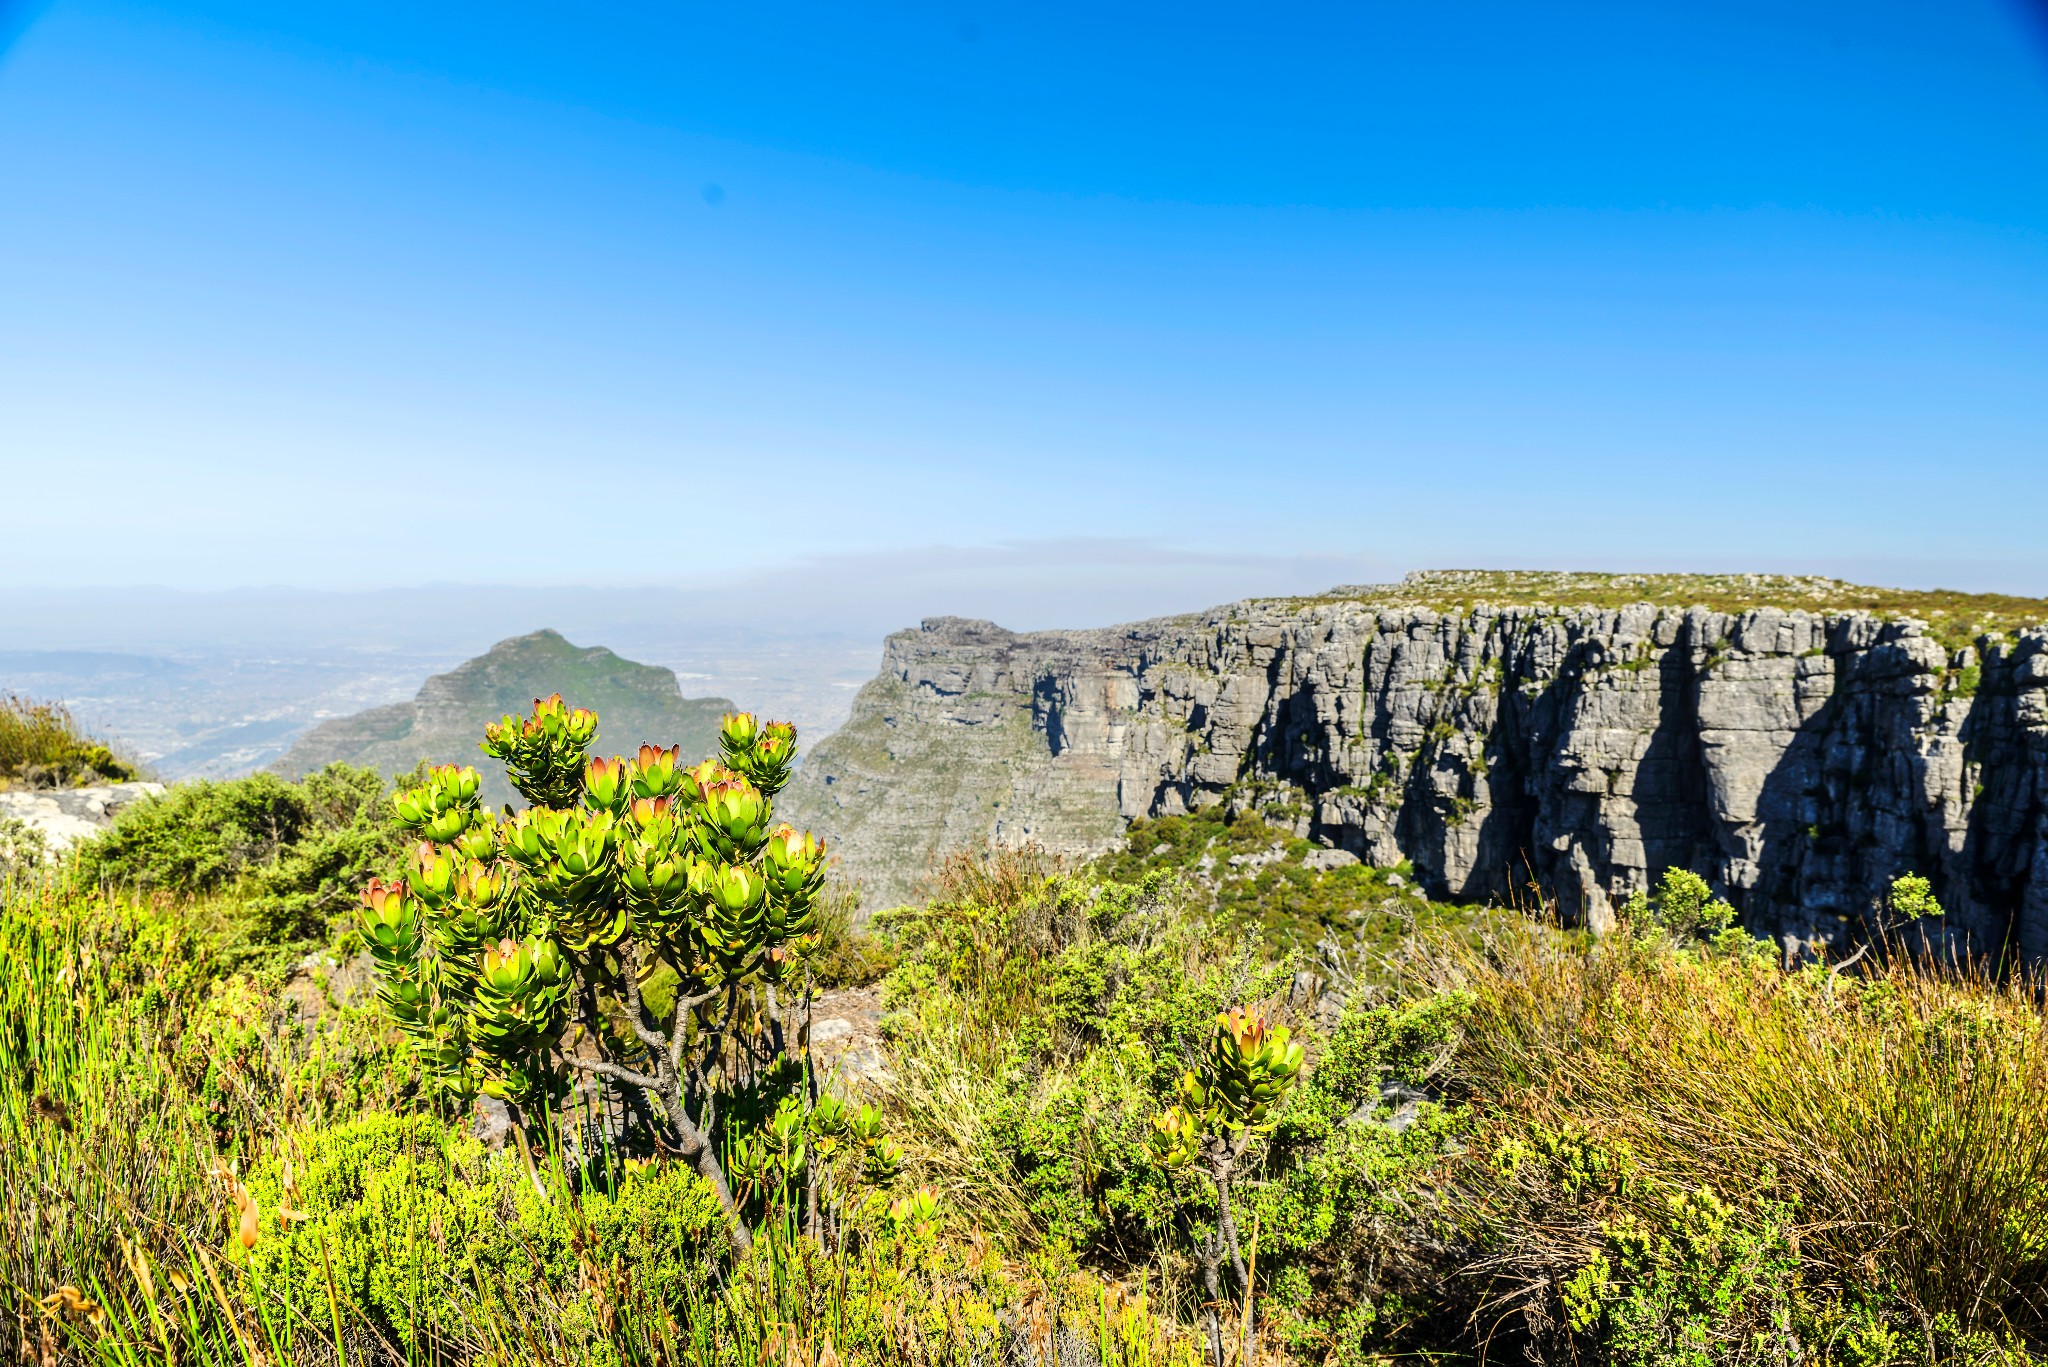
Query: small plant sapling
x=1684 y=909
x=1228 y=1100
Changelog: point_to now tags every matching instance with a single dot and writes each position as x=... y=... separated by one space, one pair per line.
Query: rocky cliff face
x=1798 y=758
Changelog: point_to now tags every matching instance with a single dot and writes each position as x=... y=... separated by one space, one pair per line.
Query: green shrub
x=292 y=855
x=1683 y=909
x=1060 y=1010
x=413 y=1219
x=1911 y=898
x=1698 y=1287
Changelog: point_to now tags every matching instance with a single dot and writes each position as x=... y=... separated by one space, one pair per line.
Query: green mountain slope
x=634 y=703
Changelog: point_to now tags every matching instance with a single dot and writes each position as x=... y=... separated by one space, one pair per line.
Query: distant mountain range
x=634 y=703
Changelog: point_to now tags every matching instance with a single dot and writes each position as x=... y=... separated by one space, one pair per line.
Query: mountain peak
x=634 y=702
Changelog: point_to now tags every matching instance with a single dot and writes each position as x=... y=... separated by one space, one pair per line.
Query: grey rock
x=1062 y=1346
x=1797 y=760
x=1302 y=988
x=493 y=1122
x=830 y=1029
x=1325 y=860
x=65 y=816
x=1402 y=1105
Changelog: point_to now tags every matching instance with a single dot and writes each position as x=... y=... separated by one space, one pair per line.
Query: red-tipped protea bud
x=737 y=889
x=733 y=821
x=736 y=733
x=769 y=760
x=484 y=887
x=479 y=843
x=794 y=862
x=390 y=923
x=606 y=784
x=1173 y=1139
x=431 y=875
x=1251 y=1066
x=657 y=772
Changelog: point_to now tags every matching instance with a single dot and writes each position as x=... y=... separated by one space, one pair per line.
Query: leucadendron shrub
x=655 y=908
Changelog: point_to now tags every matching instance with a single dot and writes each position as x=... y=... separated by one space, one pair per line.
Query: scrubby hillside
x=1507 y=1143
x=1220 y=1096
x=442 y=724
x=42 y=746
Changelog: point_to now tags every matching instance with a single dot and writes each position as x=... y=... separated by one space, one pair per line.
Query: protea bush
x=633 y=924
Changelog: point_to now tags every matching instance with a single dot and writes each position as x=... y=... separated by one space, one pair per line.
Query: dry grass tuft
x=1899 y=1117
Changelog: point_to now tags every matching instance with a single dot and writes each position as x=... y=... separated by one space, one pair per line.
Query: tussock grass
x=1898 y=1120
x=42 y=744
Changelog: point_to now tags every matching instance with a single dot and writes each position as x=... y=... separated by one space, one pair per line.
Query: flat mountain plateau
x=1798 y=741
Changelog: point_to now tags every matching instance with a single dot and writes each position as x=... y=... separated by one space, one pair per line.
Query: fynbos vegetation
x=649 y=902
x=1114 y=1116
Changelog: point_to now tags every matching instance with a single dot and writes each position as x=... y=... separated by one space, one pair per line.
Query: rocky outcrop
x=64 y=816
x=1799 y=759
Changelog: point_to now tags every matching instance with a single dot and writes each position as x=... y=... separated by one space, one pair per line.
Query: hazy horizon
x=1023 y=586
x=742 y=337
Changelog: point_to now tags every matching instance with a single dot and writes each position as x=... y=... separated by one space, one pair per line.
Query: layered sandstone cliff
x=1799 y=757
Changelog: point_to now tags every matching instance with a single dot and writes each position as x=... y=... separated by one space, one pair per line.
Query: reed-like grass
x=1900 y=1115
x=42 y=742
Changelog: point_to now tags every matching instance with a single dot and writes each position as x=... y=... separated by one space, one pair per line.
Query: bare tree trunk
x=811 y=1175
x=1227 y=1225
x=666 y=1086
x=1210 y=1284
x=1205 y=1254
x=524 y=1140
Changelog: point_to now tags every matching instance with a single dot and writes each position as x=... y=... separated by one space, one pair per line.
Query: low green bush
x=411 y=1220
x=289 y=856
x=1042 y=1021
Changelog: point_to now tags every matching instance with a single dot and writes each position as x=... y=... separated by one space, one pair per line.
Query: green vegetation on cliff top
x=1947 y=612
x=1264 y=879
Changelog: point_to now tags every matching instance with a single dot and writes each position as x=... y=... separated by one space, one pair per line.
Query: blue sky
x=352 y=296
